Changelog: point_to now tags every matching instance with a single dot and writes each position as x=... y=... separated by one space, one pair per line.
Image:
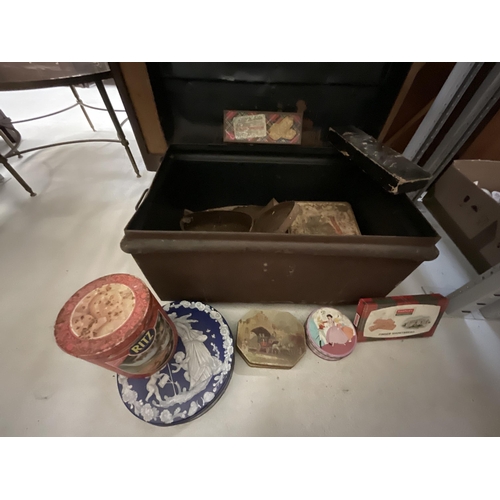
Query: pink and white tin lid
x=330 y=334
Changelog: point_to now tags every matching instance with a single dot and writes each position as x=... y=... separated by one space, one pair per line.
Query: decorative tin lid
x=195 y=379
x=271 y=339
x=330 y=333
x=102 y=315
x=325 y=218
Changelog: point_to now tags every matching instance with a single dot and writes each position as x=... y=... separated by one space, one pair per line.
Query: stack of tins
x=330 y=334
x=116 y=322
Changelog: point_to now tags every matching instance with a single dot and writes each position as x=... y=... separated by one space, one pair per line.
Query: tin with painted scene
x=271 y=339
x=330 y=333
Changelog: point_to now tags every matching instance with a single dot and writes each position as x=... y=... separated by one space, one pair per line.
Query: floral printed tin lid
x=330 y=334
x=196 y=377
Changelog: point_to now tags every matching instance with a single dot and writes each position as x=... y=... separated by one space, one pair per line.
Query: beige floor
x=69 y=234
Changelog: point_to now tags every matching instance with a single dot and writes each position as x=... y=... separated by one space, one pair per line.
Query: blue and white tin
x=196 y=377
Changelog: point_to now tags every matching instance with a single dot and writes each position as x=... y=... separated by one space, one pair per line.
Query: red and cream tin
x=116 y=322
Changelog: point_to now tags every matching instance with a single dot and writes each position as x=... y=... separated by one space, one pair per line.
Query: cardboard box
x=469 y=216
x=399 y=317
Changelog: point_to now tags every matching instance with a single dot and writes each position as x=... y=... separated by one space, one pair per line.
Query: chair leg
x=116 y=123
x=12 y=146
x=82 y=107
x=16 y=176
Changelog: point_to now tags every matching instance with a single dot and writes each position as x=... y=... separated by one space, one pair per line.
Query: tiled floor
x=70 y=233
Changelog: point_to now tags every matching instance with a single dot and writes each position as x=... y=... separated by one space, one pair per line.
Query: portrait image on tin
x=194 y=379
x=330 y=333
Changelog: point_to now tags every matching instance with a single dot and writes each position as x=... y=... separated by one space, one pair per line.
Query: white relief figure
x=157 y=379
x=201 y=365
x=198 y=364
x=124 y=382
x=152 y=388
x=181 y=363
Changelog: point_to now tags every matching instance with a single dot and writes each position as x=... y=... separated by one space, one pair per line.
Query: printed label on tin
x=250 y=127
x=151 y=350
x=144 y=343
x=401 y=321
x=102 y=311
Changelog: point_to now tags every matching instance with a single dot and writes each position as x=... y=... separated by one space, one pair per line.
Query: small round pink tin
x=330 y=334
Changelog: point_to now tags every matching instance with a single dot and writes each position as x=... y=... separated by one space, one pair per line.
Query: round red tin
x=116 y=322
x=330 y=334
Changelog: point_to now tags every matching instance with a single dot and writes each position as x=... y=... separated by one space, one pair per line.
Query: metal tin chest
x=199 y=172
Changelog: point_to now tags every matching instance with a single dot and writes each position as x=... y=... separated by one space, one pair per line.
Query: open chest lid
x=191 y=99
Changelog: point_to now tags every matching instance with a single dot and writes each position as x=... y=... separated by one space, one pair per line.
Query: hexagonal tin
x=271 y=339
